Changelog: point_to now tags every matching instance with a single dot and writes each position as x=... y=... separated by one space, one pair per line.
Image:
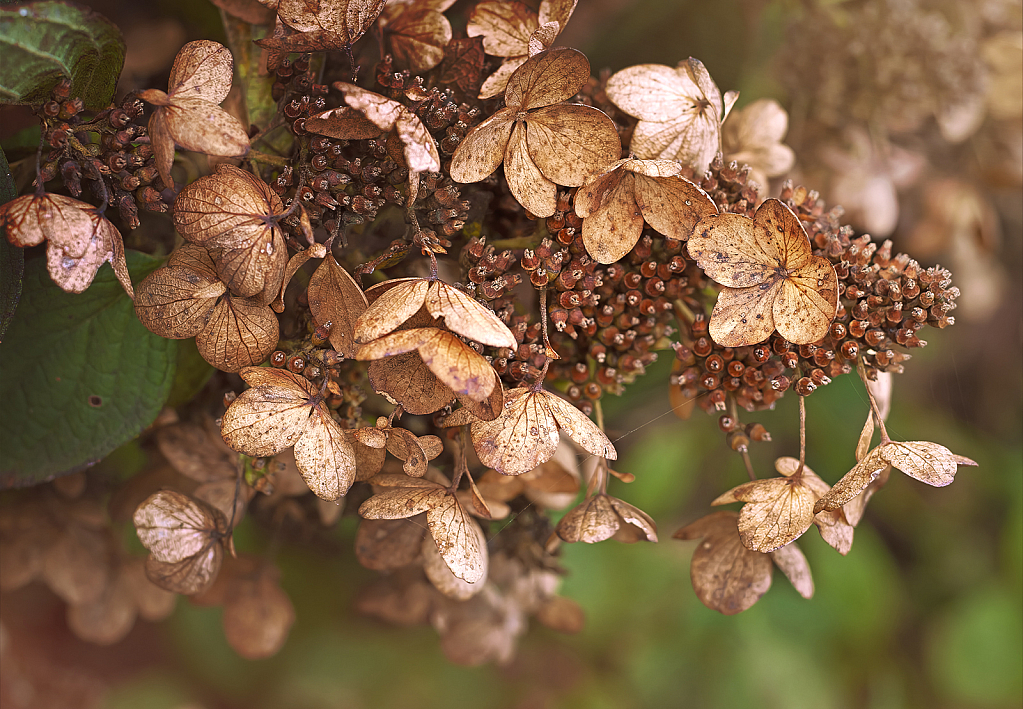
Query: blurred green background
x=926 y=611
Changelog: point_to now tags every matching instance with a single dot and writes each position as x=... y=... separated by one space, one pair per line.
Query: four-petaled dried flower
x=78 y=238
x=541 y=141
x=525 y=433
x=189 y=113
x=450 y=525
x=515 y=32
x=728 y=577
x=679 y=110
x=927 y=462
x=186 y=299
x=615 y=203
x=418 y=31
x=777 y=510
x=185 y=537
x=283 y=409
x=772 y=279
x=235 y=215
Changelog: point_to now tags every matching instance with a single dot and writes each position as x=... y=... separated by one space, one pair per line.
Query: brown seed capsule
x=702 y=347
x=717 y=399
x=296 y=363
x=727 y=423
x=838 y=331
x=278 y=359
x=736 y=368
x=738 y=441
x=805 y=386
x=780 y=383
x=875 y=337
x=849 y=350
x=699 y=326
x=714 y=364
x=757 y=432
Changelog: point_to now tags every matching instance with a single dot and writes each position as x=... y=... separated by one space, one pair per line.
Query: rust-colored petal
x=727 y=577
x=527 y=184
x=570 y=142
x=240 y=332
x=743 y=316
x=467 y=316
x=335 y=298
x=391 y=309
x=202 y=69
x=504 y=26
x=269 y=417
x=482 y=150
x=547 y=78
x=325 y=457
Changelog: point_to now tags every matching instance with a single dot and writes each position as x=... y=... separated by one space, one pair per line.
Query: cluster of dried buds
x=577 y=266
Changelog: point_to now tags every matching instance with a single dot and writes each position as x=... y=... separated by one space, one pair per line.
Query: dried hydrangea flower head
x=753 y=136
x=281 y=410
x=236 y=216
x=186 y=298
x=451 y=527
x=185 y=538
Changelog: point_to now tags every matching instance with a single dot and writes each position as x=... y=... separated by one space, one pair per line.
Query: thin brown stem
x=802 y=436
x=861 y=370
x=549 y=351
x=744 y=452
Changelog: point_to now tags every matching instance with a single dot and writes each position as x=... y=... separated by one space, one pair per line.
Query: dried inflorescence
x=530 y=270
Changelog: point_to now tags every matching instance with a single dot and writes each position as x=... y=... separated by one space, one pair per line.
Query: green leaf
x=44 y=42
x=81 y=375
x=191 y=374
x=12 y=259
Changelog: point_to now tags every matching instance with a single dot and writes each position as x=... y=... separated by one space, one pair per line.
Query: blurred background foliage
x=925 y=611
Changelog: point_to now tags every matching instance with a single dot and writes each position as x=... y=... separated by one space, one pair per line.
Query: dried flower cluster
x=493 y=267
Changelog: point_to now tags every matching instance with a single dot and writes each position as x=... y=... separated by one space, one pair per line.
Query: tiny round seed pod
x=278 y=359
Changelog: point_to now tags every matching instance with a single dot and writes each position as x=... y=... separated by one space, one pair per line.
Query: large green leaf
x=43 y=42
x=12 y=259
x=79 y=375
